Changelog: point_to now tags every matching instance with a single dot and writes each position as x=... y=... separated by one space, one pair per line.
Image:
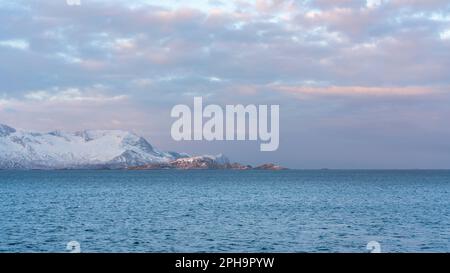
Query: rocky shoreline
x=204 y=163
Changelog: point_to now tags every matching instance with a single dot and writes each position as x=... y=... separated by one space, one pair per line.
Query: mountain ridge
x=21 y=149
x=97 y=149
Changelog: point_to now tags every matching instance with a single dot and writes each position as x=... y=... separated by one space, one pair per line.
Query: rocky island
x=219 y=162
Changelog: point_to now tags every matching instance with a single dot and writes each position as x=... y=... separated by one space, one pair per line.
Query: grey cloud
x=328 y=47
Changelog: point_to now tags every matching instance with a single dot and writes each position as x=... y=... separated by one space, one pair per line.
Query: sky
x=360 y=84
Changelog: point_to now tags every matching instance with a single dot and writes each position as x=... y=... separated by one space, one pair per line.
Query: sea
x=224 y=211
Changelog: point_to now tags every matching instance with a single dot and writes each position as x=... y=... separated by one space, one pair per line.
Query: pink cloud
x=302 y=91
x=428 y=4
x=350 y=21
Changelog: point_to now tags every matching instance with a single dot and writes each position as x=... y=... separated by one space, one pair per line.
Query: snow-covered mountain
x=85 y=149
x=96 y=149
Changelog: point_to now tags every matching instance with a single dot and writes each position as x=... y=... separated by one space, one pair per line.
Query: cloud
x=70 y=109
x=71 y=95
x=445 y=35
x=338 y=42
x=301 y=91
x=420 y=5
x=15 y=43
x=56 y=97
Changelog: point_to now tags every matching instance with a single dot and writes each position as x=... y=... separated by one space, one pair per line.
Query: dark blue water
x=225 y=211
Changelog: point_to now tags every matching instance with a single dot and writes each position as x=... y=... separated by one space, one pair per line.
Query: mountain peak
x=6 y=130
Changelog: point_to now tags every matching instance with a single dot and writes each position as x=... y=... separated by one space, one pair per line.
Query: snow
x=6 y=130
x=57 y=149
x=219 y=159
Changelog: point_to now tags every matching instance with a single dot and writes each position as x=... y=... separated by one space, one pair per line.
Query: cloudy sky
x=360 y=84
